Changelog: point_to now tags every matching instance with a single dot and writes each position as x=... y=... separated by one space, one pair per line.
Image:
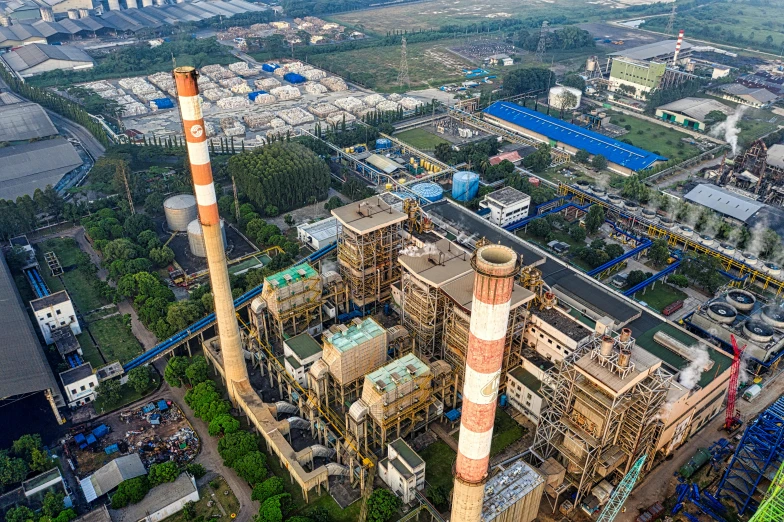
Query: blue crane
x=621 y=493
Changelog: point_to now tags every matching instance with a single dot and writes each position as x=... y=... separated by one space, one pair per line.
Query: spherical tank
x=196 y=238
x=562 y=97
x=430 y=191
x=465 y=185
x=180 y=210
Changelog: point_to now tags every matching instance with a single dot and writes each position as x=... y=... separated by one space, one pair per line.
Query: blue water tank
x=383 y=143
x=430 y=191
x=465 y=185
x=503 y=400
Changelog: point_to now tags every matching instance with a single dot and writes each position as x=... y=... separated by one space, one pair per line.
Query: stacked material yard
x=242 y=88
x=373 y=100
x=209 y=128
x=296 y=67
x=409 y=104
x=334 y=84
x=242 y=69
x=395 y=97
x=265 y=99
x=337 y=118
x=217 y=72
x=202 y=81
x=314 y=88
x=216 y=94
x=313 y=74
x=233 y=102
x=387 y=105
x=134 y=108
x=322 y=110
x=258 y=121
x=149 y=96
x=163 y=80
x=281 y=71
x=232 y=127
x=266 y=84
x=228 y=83
x=350 y=104
x=286 y=92
x=364 y=112
x=279 y=131
x=276 y=123
x=97 y=87
x=295 y=116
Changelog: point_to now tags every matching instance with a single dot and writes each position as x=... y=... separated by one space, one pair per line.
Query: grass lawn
x=439 y=458
x=115 y=339
x=660 y=296
x=336 y=514
x=558 y=235
x=420 y=138
x=127 y=396
x=78 y=284
x=654 y=137
x=89 y=350
x=229 y=503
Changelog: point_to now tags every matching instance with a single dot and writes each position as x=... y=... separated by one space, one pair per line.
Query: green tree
x=594 y=219
x=577 y=233
x=333 y=203
x=206 y=401
x=24 y=446
x=196 y=470
x=140 y=378
x=539 y=227
x=137 y=223
x=574 y=80
x=771 y=244
x=599 y=162
x=130 y=491
x=659 y=252
x=175 y=370
x=198 y=371
x=538 y=161
x=20 y=514
x=223 y=424
x=165 y=472
x=678 y=280
x=162 y=256
x=382 y=505
x=234 y=446
x=614 y=250
x=289 y=220
x=53 y=504
x=636 y=277
x=274 y=508
x=12 y=470
x=110 y=391
x=271 y=487
x=40 y=461
x=715 y=117
x=182 y=314
x=189 y=511
x=634 y=188
x=252 y=467
x=582 y=156
x=439 y=496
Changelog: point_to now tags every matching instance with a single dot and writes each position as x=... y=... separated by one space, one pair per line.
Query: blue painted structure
x=670 y=269
x=383 y=143
x=163 y=103
x=465 y=185
x=571 y=135
x=429 y=191
x=294 y=78
x=37 y=282
x=609 y=264
x=270 y=67
x=255 y=94
x=759 y=453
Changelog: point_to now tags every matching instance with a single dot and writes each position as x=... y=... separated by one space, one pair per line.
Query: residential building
x=319 y=234
x=691 y=113
x=635 y=78
x=161 y=502
x=403 y=470
x=506 y=205
x=40 y=58
x=300 y=352
x=52 y=312
x=80 y=384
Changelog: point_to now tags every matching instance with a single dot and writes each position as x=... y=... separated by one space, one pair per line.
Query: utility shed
x=513 y=495
x=723 y=201
x=384 y=164
x=24 y=121
x=35 y=165
x=33 y=59
x=161 y=502
x=109 y=476
x=691 y=112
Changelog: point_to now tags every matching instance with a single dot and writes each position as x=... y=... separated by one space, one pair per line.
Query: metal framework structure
x=541 y=47
x=759 y=453
x=54 y=264
x=733 y=417
x=423 y=315
x=671 y=20
x=590 y=430
x=621 y=493
x=772 y=508
x=402 y=77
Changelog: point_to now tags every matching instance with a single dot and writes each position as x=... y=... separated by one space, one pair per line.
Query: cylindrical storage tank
x=583 y=184
x=180 y=210
x=430 y=191
x=73 y=14
x=615 y=199
x=84 y=12
x=686 y=231
x=758 y=331
x=631 y=207
x=591 y=64
x=465 y=185
x=649 y=214
x=774 y=316
x=722 y=312
x=383 y=143
x=706 y=240
x=114 y=5
x=749 y=258
x=741 y=299
x=774 y=270
x=599 y=191
x=727 y=249
x=566 y=98
x=666 y=222
x=196 y=238
x=699 y=459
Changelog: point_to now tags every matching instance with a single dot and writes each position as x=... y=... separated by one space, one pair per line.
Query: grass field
x=420 y=138
x=115 y=339
x=77 y=283
x=439 y=458
x=654 y=137
x=430 y=64
x=127 y=396
x=660 y=296
x=229 y=503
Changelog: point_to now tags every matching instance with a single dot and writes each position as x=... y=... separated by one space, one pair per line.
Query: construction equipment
x=621 y=493
x=732 y=420
x=772 y=507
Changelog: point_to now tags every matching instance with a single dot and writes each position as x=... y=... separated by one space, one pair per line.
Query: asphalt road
x=88 y=141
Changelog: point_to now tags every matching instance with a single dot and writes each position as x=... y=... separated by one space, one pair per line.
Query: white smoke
x=744 y=375
x=414 y=251
x=328 y=265
x=664 y=412
x=690 y=376
x=729 y=129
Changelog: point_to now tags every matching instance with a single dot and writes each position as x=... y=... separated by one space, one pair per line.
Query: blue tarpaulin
x=114 y=448
x=294 y=78
x=162 y=405
x=255 y=94
x=91 y=439
x=79 y=438
x=100 y=431
x=163 y=103
x=148 y=408
x=155 y=418
x=453 y=415
x=269 y=67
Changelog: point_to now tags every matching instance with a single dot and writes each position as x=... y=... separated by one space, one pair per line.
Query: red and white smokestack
x=495 y=266
x=206 y=199
x=677 y=48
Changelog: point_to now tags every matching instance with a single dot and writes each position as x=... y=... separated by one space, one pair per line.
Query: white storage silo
x=196 y=237
x=562 y=97
x=114 y=5
x=147 y=3
x=180 y=210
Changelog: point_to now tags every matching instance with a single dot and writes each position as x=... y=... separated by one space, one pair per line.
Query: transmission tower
x=772 y=507
x=671 y=20
x=122 y=170
x=402 y=76
x=542 y=46
x=621 y=493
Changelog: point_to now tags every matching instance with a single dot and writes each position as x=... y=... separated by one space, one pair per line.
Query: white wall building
x=80 y=384
x=403 y=470
x=161 y=502
x=523 y=388
x=319 y=234
x=300 y=352
x=506 y=205
x=54 y=311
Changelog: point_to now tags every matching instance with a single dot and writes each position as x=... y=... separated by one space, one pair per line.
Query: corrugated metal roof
x=109 y=476
x=24 y=368
x=24 y=121
x=615 y=151
x=776 y=156
x=36 y=54
x=646 y=52
x=697 y=108
x=35 y=165
x=723 y=201
x=386 y=165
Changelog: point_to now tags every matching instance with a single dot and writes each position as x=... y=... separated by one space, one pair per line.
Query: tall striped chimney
x=201 y=171
x=495 y=267
x=677 y=48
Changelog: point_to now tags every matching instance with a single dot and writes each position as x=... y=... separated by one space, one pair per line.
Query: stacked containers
x=465 y=185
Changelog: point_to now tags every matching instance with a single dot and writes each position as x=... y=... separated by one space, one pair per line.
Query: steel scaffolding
x=772 y=508
x=759 y=453
x=601 y=413
x=423 y=314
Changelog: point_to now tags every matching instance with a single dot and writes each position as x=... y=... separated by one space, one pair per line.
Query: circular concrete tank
x=180 y=210
x=749 y=258
x=774 y=316
x=773 y=269
x=706 y=240
x=196 y=237
x=757 y=331
x=741 y=299
x=725 y=248
x=722 y=312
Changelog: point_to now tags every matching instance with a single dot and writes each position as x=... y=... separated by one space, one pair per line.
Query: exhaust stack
x=677 y=48
x=495 y=266
x=201 y=171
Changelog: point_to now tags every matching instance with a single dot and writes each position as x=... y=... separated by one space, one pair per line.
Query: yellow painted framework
x=763 y=280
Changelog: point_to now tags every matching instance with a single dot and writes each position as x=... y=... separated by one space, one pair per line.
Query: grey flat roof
x=158 y=498
x=24 y=368
x=437 y=263
x=24 y=121
x=368 y=215
x=507 y=196
x=35 y=165
x=776 y=156
x=697 y=108
x=304 y=345
x=98 y=514
x=76 y=374
x=723 y=201
x=49 y=300
x=652 y=50
x=109 y=476
x=34 y=54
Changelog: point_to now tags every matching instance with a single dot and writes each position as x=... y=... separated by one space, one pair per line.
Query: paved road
x=660 y=482
x=88 y=141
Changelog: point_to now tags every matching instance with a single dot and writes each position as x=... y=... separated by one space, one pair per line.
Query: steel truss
x=368 y=262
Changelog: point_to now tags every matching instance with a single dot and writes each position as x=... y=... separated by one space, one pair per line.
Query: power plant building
x=402 y=470
x=293 y=300
x=513 y=494
x=635 y=78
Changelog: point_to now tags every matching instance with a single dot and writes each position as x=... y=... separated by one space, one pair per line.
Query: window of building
x=92 y=385
x=73 y=392
x=49 y=316
x=528 y=396
x=57 y=312
x=82 y=388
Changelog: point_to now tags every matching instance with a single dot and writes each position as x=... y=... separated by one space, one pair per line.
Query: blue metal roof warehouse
x=615 y=151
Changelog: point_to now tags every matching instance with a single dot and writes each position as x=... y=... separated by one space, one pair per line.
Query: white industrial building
x=54 y=311
x=37 y=58
x=319 y=234
x=506 y=205
x=79 y=384
x=110 y=475
x=161 y=502
x=523 y=389
x=403 y=470
x=300 y=352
